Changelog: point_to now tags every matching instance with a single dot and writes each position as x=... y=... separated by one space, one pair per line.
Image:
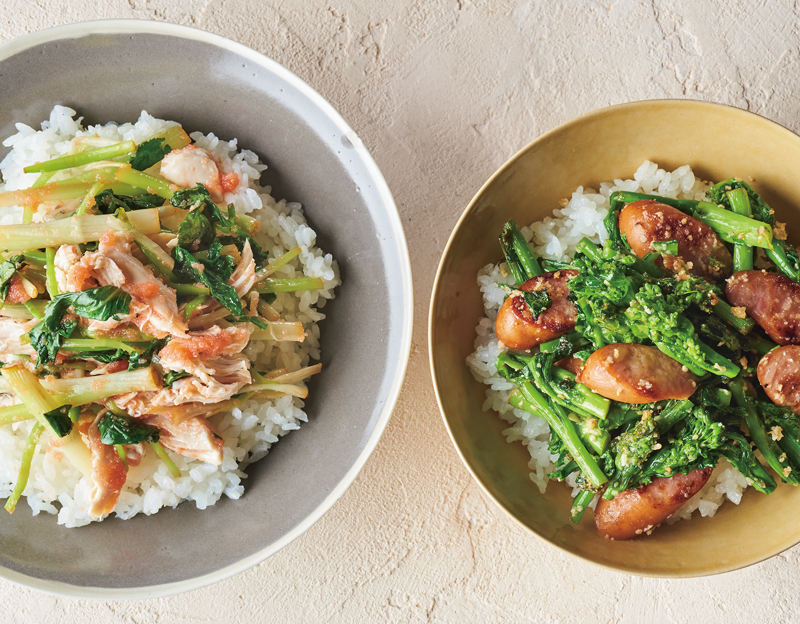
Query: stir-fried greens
x=128 y=295
x=657 y=301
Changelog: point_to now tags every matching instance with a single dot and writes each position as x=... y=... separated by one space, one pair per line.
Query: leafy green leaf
x=108 y=202
x=195 y=231
x=7 y=270
x=215 y=273
x=116 y=429
x=149 y=153
x=102 y=304
x=59 y=420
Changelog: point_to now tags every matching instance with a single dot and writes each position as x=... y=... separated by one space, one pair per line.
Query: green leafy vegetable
x=7 y=270
x=59 y=420
x=215 y=273
x=119 y=429
x=102 y=303
x=108 y=202
x=195 y=231
x=149 y=153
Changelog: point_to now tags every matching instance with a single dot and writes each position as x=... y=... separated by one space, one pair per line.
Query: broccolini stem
x=764 y=443
x=519 y=257
x=82 y=158
x=779 y=256
x=722 y=309
x=597 y=406
x=760 y=345
x=734 y=228
x=740 y=204
x=579 y=505
x=671 y=415
x=529 y=399
x=25 y=468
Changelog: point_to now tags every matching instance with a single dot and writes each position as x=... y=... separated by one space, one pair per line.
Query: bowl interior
x=601 y=146
x=113 y=71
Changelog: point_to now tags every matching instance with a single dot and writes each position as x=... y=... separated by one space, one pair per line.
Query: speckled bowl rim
x=133 y=26
x=484 y=484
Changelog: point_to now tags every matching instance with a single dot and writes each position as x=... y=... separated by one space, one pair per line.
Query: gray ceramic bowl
x=111 y=70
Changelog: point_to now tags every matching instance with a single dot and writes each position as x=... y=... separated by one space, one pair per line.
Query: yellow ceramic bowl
x=718 y=142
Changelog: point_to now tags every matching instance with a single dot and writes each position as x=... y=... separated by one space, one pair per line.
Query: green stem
x=141 y=180
x=764 y=443
x=52 y=284
x=722 y=309
x=25 y=467
x=32 y=306
x=740 y=204
x=528 y=398
x=163 y=456
x=82 y=158
x=289 y=284
x=193 y=305
x=277 y=264
x=579 y=505
x=89 y=198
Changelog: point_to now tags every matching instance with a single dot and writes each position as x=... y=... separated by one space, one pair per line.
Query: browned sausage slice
x=779 y=375
x=518 y=329
x=634 y=512
x=647 y=221
x=771 y=299
x=634 y=373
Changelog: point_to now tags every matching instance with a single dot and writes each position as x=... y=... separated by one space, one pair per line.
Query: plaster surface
x=442 y=93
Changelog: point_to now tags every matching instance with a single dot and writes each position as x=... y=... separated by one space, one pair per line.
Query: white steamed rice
x=248 y=431
x=556 y=238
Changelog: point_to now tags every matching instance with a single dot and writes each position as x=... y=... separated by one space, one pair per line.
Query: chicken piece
x=634 y=373
x=212 y=381
x=190 y=166
x=779 y=375
x=244 y=277
x=634 y=512
x=11 y=332
x=518 y=329
x=703 y=252
x=771 y=299
x=154 y=307
x=108 y=471
x=193 y=437
x=68 y=256
x=187 y=353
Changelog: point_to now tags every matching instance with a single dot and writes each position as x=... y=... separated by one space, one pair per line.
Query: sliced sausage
x=772 y=300
x=634 y=373
x=634 y=512
x=779 y=375
x=517 y=328
x=703 y=252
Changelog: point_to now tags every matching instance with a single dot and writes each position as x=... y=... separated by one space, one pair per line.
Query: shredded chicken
x=108 y=471
x=193 y=437
x=154 y=307
x=212 y=381
x=244 y=277
x=67 y=256
x=11 y=332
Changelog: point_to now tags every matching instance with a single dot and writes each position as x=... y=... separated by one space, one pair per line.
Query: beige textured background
x=442 y=92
